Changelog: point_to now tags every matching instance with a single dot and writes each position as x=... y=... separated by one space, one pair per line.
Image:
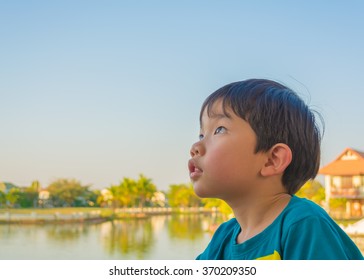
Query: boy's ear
x=278 y=159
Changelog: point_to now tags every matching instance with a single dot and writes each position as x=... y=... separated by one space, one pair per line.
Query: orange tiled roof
x=349 y=163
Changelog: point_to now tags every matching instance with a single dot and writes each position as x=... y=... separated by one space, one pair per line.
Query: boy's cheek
x=219 y=165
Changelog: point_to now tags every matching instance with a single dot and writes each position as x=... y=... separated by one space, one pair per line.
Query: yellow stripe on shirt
x=274 y=256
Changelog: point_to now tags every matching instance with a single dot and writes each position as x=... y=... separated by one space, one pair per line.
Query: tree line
x=129 y=192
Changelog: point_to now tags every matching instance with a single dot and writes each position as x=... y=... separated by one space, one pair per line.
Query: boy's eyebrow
x=218 y=116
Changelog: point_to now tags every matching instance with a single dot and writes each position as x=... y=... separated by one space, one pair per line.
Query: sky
x=99 y=90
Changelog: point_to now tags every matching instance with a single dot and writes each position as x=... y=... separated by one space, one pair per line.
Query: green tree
x=173 y=195
x=2 y=199
x=95 y=198
x=132 y=192
x=145 y=190
x=68 y=192
x=123 y=194
x=35 y=186
x=115 y=196
x=219 y=204
x=128 y=192
x=182 y=195
x=312 y=190
x=28 y=198
x=12 y=197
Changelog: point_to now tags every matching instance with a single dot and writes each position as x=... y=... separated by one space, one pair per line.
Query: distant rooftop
x=349 y=163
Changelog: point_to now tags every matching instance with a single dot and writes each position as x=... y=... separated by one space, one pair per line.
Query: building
x=344 y=178
x=159 y=199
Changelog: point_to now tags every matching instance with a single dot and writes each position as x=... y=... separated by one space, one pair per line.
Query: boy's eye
x=200 y=137
x=220 y=129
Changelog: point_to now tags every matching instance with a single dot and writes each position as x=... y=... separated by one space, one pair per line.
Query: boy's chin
x=202 y=191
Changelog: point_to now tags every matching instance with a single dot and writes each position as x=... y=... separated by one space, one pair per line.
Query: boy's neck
x=256 y=214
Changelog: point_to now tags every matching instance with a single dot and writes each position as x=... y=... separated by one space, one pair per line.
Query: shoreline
x=85 y=215
x=74 y=215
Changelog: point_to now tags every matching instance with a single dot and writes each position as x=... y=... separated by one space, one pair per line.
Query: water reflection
x=128 y=236
x=192 y=226
x=67 y=232
x=185 y=227
x=156 y=237
x=138 y=236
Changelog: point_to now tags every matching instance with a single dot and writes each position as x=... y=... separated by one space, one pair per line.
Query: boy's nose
x=196 y=150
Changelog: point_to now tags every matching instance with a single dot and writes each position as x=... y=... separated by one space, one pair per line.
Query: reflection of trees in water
x=67 y=232
x=59 y=233
x=187 y=226
x=8 y=231
x=134 y=236
x=193 y=226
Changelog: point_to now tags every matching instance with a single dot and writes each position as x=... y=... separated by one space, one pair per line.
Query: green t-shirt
x=303 y=231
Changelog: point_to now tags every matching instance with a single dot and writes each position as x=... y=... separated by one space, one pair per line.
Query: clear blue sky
x=98 y=90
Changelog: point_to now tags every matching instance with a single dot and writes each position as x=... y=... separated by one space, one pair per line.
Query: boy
x=259 y=143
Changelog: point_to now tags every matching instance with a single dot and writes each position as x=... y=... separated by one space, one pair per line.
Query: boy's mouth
x=195 y=171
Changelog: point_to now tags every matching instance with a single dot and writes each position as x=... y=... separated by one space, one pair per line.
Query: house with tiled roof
x=344 y=178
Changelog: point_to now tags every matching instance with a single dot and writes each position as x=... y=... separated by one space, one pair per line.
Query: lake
x=157 y=237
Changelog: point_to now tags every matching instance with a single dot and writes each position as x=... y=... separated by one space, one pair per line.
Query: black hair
x=277 y=115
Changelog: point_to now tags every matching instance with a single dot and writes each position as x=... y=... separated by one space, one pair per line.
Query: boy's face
x=224 y=163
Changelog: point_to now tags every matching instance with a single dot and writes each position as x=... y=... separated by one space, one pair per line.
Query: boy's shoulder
x=296 y=233
x=299 y=209
x=227 y=229
x=306 y=227
x=303 y=215
x=228 y=225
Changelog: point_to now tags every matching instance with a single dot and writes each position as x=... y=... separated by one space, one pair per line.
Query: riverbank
x=75 y=215
x=88 y=215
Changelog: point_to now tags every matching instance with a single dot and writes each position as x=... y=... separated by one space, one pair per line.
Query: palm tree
x=128 y=191
x=115 y=193
x=123 y=194
x=145 y=190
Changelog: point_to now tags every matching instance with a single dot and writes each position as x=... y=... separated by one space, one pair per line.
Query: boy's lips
x=195 y=171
